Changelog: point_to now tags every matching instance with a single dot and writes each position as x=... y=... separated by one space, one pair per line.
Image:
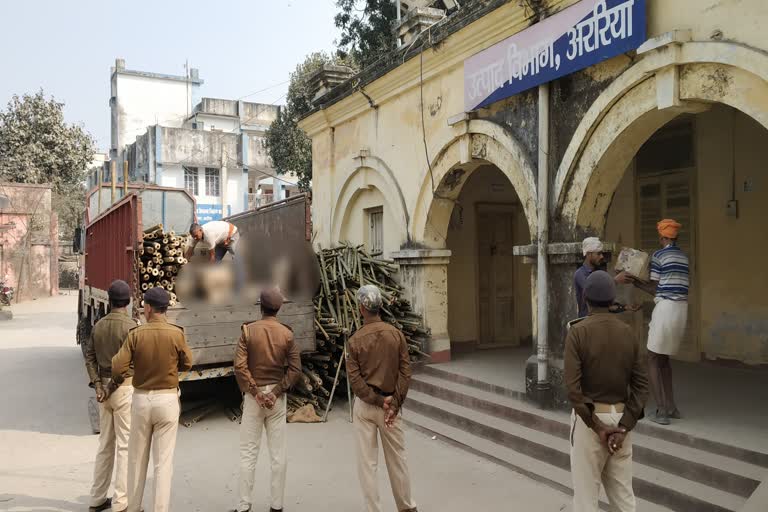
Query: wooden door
x=496 y=315
x=668 y=195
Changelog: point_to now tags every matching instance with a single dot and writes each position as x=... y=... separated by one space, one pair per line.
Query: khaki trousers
x=591 y=464
x=154 y=423
x=115 y=426
x=369 y=422
x=255 y=420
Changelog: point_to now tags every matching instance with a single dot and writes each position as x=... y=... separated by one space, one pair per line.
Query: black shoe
x=104 y=506
x=275 y=509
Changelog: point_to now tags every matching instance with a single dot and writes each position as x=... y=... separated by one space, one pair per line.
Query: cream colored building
x=676 y=128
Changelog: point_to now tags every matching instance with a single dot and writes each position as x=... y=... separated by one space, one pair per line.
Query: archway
x=478 y=141
x=370 y=194
x=479 y=202
x=682 y=134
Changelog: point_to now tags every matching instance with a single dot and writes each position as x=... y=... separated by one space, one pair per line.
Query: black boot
x=104 y=506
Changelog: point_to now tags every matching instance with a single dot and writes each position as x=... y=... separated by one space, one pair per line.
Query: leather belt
x=608 y=408
x=380 y=392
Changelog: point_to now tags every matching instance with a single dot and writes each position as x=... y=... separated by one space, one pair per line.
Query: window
x=191 y=183
x=376 y=230
x=287 y=193
x=212 y=182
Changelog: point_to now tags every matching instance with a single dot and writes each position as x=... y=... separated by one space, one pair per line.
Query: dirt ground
x=47 y=449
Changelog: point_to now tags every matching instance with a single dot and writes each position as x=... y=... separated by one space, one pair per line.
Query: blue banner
x=209 y=212
x=580 y=36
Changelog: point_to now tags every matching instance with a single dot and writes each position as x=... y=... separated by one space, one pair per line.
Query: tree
x=366 y=29
x=37 y=146
x=289 y=148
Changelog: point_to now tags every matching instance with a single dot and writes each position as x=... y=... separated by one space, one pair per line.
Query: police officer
x=607 y=384
x=379 y=372
x=106 y=339
x=158 y=351
x=267 y=364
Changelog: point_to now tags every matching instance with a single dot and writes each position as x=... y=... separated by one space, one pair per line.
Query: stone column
x=563 y=259
x=424 y=274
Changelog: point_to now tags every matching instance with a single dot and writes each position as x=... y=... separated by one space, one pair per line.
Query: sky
x=240 y=46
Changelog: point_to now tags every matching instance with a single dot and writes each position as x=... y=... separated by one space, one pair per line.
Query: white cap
x=591 y=244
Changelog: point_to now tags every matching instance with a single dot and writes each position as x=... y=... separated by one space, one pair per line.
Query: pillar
x=424 y=275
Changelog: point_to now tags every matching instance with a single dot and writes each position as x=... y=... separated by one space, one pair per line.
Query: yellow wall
x=486 y=185
x=732 y=278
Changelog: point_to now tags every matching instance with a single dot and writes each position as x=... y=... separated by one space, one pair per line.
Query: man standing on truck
x=379 y=371
x=106 y=339
x=267 y=364
x=220 y=236
x=158 y=351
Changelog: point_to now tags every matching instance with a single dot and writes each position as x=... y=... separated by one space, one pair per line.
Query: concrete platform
x=717 y=402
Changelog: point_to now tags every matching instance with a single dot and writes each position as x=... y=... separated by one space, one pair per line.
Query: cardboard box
x=634 y=262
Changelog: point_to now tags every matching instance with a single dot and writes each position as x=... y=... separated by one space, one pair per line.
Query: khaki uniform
x=267 y=360
x=106 y=339
x=378 y=366
x=158 y=351
x=605 y=374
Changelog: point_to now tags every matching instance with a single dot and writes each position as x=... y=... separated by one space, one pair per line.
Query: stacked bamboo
x=161 y=257
x=343 y=270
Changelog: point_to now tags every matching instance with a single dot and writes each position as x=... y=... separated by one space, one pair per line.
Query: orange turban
x=668 y=228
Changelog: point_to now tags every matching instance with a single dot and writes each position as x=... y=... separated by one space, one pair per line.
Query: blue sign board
x=209 y=212
x=580 y=36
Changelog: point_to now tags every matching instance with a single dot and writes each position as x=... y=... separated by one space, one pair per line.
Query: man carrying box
x=669 y=282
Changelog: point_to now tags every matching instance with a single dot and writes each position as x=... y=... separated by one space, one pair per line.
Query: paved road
x=47 y=450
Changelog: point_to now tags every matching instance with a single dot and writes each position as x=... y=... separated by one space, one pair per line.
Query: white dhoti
x=668 y=325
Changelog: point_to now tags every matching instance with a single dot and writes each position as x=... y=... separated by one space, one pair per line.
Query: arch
x=372 y=172
x=478 y=141
x=627 y=113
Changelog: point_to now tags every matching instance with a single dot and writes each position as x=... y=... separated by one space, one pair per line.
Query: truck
x=109 y=246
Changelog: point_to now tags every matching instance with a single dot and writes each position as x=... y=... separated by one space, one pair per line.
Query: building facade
x=29 y=241
x=166 y=134
x=481 y=180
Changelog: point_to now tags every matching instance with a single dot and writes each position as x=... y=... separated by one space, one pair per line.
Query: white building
x=215 y=148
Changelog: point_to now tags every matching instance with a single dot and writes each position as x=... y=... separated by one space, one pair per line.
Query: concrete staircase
x=673 y=471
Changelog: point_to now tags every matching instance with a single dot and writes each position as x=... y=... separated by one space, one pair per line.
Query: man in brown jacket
x=379 y=372
x=607 y=383
x=107 y=337
x=267 y=364
x=158 y=351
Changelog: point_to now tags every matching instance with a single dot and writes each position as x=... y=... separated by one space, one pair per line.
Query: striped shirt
x=669 y=266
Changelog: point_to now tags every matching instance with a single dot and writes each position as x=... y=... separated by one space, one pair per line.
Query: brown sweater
x=158 y=351
x=605 y=364
x=266 y=354
x=378 y=363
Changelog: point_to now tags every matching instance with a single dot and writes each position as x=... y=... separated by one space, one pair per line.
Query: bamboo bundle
x=160 y=259
x=342 y=271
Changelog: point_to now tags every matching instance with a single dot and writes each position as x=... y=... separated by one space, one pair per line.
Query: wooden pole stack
x=343 y=270
x=160 y=259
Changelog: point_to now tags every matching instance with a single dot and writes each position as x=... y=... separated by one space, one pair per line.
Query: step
x=661 y=487
x=554 y=477
x=668 y=434
x=723 y=473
